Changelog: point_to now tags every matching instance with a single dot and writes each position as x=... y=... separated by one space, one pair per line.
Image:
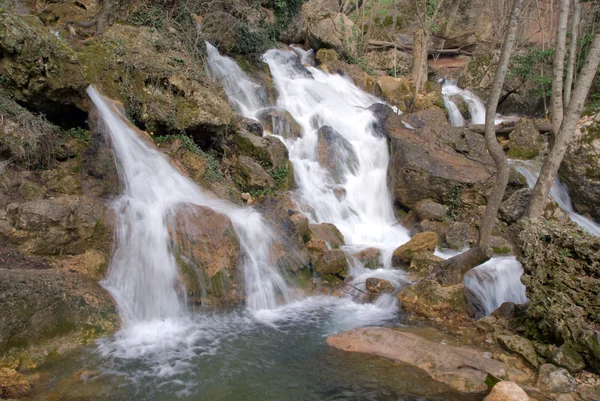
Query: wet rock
x=525 y=140
x=328 y=233
x=331 y=262
x=267 y=150
x=428 y=167
x=29 y=190
x=514 y=207
x=562 y=283
x=324 y=56
x=422 y=263
x=507 y=391
x=522 y=346
x=13 y=385
x=217 y=26
x=253 y=126
x=500 y=245
x=555 y=380
x=280 y=122
x=335 y=153
x=430 y=210
x=566 y=357
x=252 y=175
x=479 y=74
x=369 y=257
x=352 y=71
x=438 y=227
x=458 y=235
x=300 y=222
x=429 y=299
x=207 y=250
x=39 y=305
x=99 y=159
x=463 y=369
x=580 y=169
x=379 y=286
x=420 y=242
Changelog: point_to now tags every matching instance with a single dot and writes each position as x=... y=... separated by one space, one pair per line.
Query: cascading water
x=475 y=105
x=559 y=193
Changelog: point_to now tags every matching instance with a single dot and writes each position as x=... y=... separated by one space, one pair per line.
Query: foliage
x=147 y=15
x=255 y=41
x=534 y=67
x=280 y=175
x=454 y=203
x=81 y=134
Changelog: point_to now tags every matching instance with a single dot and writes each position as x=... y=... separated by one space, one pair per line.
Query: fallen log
x=507 y=128
x=379 y=44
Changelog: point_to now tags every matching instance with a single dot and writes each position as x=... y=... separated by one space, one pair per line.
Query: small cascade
x=143 y=276
x=475 y=105
x=558 y=193
x=244 y=95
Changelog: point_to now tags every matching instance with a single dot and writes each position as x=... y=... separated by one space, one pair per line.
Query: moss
x=502 y=250
x=521 y=153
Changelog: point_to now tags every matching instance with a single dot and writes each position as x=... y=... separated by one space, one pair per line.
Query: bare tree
x=564 y=134
x=572 y=52
x=558 y=66
x=453 y=270
x=394 y=23
x=427 y=15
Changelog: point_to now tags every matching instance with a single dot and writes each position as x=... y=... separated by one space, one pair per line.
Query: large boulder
x=425 y=241
x=562 y=274
x=514 y=207
x=280 y=122
x=430 y=300
x=335 y=153
x=325 y=26
x=207 y=250
x=463 y=369
x=507 y=391
x=525 y=140
x=580 y=169
x=425 y=164
x=328 y=233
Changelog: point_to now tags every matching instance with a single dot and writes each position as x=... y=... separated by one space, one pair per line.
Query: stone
x=252 y=175
x=500 y=245
x=429 y=299
x=335 y=153
x=458 y=235
x=277 y=121
x=514 y=207
x=430 y=210
x=267 y=150
x=332 y=262
x=29 y=190
x=507 y=391
x=68 y=185
x=426 y=241
x=13 y=385
x=555 y=380
x=463 y=369
x=525 y=140
x=328 y=28
x=590 y=393
x=379 y=286
x=328 y=233
x=381 y=112
x=438 y=227
x=562 y=283
x=522 y=346
x=369 y=258
x=324 y=56
x=566 y=357
x=207 y=250
x=580 y=169
x=217 y=28
x=301 y=224
x=422 y=263
x=479 y=73
x=384 y=60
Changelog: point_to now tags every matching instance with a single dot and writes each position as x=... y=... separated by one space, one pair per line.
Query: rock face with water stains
x=562 y=274
x=335 y=153
x=580 y=169
x=208 y=252
x=278 y=121
x=463 y=369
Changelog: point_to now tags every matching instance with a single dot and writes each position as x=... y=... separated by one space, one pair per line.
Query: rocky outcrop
x=430 y=300
x=426 y=164
x=325 y=26
x=525 y=140
x=280 y=122
x=463 y=369
x=580 y=169
x=207 y=250
x=561 y=272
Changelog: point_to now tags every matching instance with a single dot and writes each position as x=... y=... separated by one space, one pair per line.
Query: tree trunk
x=451 y=17
x=455 y=268
x=419 y=67
x=394 y=22
x=563 y=136
x=558 y=66
x=572 y=52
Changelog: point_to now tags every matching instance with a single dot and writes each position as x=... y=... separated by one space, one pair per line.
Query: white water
x=558 y=192
x=475 y=105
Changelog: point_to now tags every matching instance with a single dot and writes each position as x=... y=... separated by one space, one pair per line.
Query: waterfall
x=558 y=193
x=475 y=105
x=143 y=276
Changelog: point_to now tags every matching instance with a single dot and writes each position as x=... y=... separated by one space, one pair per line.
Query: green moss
x=501 y=250
x=521 y=153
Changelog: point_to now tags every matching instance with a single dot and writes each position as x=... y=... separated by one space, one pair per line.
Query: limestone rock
x=332 y=262
x=555 y=380
x=252 y=175
x=369 y=257
x=327 y=28
x=422 y=263
x=429 y=299
x=267 y=150
x=426 y=241
x=514 y=207
x=525 y=140
x=328 y=233
x=580 y=169
x=566 y=357
x=379 y=286
x=335 y=153
x=207 y=250
x=13 y=385
x=278 y=121
x=29 y=190
x=430 y=210
x=507 y=391
x=384 y=60
x=324 y=56
x=458 y=235
x=500 y=245
x=463 y=369
x=522 y=346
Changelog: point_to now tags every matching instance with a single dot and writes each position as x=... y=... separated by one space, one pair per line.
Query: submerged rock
x=369 y=257
x=331 y=262
x=335 y=153
x=463 y=369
